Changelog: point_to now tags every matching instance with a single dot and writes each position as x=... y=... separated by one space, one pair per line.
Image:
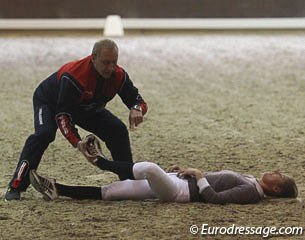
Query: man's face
x=272 y=179
x=105 y=62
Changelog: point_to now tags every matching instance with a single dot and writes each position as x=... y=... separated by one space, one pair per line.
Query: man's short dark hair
x=288 y=188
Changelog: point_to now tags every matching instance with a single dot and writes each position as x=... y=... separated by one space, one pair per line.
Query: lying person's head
x=276 y=184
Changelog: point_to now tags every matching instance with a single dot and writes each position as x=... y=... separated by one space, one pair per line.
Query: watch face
x=137 y=107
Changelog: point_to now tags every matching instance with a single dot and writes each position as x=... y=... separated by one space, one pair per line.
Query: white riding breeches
x=151 y=182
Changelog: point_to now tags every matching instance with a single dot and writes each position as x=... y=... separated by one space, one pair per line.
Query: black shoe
x=12 y=194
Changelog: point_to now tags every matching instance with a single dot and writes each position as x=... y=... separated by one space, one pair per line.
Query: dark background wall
x=151 y=8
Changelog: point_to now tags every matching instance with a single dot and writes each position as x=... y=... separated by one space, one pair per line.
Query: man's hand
x=84 y=147
x=174 y=168
x=135 y=118
x=193 y=172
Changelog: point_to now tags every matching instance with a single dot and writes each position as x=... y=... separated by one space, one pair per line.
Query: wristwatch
x=137 y=107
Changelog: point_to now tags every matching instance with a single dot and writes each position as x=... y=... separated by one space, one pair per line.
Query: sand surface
x=216 y=101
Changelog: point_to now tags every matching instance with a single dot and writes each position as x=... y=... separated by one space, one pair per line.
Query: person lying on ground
x=147 y=180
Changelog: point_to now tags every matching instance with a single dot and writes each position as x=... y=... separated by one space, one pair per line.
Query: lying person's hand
x=191 y=172
x=174 y=168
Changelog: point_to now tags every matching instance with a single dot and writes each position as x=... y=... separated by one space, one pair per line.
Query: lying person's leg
x=51 y=190
x=162 y=185
x=167 y=188
x=124 y=190
x=92 y=150
x=123 y=169
x=128 y=190
x=79 y=192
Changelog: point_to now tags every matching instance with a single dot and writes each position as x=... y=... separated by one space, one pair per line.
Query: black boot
x=14 y=187
x=12 y=194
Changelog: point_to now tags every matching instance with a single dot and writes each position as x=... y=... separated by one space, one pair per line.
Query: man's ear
x=276 y=189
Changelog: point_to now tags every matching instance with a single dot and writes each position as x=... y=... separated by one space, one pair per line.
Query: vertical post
x=113 y=26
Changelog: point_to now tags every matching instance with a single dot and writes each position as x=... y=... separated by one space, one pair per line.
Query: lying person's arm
x=240 y=193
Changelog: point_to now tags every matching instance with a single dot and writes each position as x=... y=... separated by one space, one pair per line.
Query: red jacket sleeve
x=67 y=128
